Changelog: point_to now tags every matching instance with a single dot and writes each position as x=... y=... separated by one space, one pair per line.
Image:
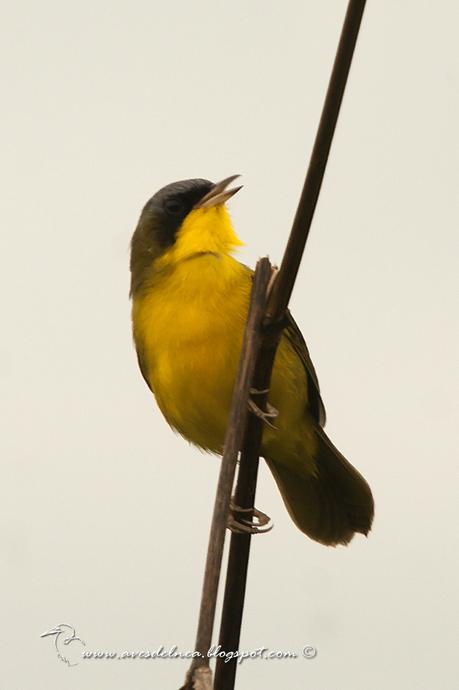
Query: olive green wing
x=295 y=338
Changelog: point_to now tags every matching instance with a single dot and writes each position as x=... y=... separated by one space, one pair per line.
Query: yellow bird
x=190 y=303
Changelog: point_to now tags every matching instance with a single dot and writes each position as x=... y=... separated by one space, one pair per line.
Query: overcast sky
x=104 y=511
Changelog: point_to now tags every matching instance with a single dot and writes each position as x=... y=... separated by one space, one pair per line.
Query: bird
x=190 y=299
x=64 y=635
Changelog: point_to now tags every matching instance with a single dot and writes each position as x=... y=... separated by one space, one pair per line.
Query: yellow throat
x=204 y=230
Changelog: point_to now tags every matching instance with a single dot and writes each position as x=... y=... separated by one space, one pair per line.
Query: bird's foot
x=257 y=391
x=257 y=523
x=264 y=415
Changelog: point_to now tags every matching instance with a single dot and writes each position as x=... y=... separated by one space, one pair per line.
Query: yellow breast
x=188 y=328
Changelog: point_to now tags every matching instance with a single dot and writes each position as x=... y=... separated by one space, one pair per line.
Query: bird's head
x=60 y=629
x=183 y=220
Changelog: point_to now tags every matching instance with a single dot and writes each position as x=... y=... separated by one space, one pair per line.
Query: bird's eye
x=173 y=206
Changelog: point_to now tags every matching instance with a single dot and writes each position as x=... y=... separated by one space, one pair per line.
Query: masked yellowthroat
x=190 y=302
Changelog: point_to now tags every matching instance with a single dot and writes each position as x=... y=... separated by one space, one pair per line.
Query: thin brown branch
x=233 y=603
x=283 y=286
x=238 y=559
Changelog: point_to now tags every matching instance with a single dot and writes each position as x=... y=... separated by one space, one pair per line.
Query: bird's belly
x=194 y=392
x=193 y=387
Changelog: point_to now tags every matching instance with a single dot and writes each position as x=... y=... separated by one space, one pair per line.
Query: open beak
x=218 y=194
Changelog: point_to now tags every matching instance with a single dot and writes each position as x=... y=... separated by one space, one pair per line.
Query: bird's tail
x=331 y=505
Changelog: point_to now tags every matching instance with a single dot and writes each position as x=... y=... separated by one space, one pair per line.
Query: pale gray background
x=104 y=511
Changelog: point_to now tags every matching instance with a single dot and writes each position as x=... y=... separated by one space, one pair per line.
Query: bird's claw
x=258 y=522
x=257 y=391
x=264 y=415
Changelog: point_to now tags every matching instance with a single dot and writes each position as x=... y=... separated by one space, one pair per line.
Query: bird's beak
x=219 y=194
x=53 y=631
